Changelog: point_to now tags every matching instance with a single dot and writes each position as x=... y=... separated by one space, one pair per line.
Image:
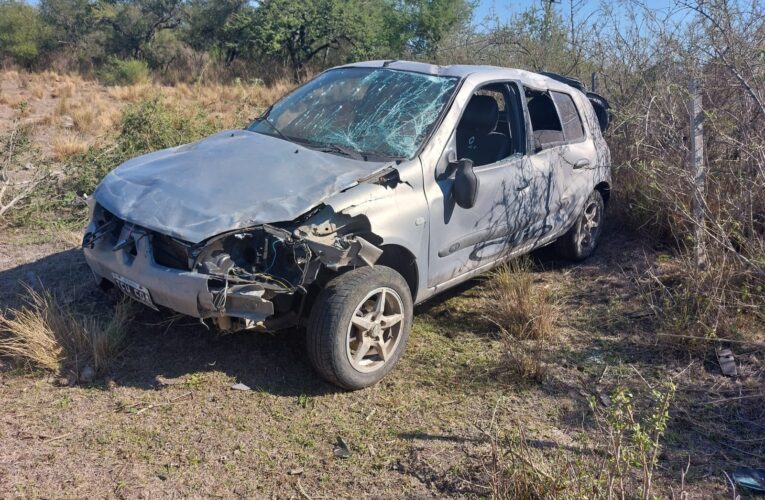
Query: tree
x=135 y=23
x=22 y=32
x=206 y=22
x=419 y=26
x=303 y=30
x=70 y=20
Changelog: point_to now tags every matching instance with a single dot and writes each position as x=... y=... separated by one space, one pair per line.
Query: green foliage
x=124 y=72
x=22 y=32
x=151 y=125
x=627 y=439
x=207 y=21
x=303 y=30
x=300 y=34
x=419 y=26
x=633 y=437
x=70 y=21
x=134 y=24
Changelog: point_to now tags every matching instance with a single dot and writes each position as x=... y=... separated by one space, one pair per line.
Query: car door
x=572 y=183
x=561 y=156
x=466 y=239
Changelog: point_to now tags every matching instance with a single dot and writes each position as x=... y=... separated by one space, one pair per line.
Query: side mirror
x=466 y=183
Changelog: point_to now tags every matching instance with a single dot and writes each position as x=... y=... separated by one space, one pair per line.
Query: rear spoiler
x=599 y=103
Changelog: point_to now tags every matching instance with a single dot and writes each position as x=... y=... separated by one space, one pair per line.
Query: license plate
x=133 y=290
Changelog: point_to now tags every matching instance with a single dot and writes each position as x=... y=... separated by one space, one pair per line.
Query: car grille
x=170 y=252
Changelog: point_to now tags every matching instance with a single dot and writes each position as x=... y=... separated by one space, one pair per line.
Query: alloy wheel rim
x=375 y=329
x=589 y=227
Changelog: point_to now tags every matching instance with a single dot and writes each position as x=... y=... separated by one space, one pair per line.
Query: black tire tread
x=327 y=310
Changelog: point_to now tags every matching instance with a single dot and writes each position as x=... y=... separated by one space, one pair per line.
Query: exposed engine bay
x=256 y=277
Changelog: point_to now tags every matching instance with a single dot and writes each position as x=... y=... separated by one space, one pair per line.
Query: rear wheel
x=359 y=326
x=582 y=239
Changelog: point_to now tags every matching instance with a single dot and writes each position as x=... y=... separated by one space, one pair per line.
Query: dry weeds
x=68 y=144
x=45 y=335
x=520 y=309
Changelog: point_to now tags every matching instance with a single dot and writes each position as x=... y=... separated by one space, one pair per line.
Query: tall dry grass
x=43 y=334
x=68 y=144
x=520 y=309
x=526 y=316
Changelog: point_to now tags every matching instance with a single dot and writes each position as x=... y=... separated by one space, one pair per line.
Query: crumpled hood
x=230 y=180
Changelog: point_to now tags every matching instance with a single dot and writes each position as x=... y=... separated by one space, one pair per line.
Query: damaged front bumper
x=250 y=278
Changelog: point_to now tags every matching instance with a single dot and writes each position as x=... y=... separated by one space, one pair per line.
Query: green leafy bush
x=124 y=72
x=22 y=33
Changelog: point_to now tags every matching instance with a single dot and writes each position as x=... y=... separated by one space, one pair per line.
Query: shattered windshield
x=364 y=112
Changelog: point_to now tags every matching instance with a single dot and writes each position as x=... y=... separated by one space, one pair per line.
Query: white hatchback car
x=371 y=188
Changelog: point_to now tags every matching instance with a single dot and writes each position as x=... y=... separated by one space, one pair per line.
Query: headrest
x=481 y=114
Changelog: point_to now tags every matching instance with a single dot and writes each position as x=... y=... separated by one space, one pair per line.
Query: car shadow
x=162 y=348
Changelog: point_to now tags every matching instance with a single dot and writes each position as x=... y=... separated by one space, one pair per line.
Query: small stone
x=341 y=450
x=67 y=121
x=296 y=472
x=240 y=387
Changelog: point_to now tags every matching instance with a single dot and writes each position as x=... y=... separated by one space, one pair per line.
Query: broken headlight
x=267 y=255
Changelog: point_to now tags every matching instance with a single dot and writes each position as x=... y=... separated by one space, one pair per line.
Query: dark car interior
x=485 y=132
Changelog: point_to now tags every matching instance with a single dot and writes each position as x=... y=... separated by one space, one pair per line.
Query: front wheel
x=581 y=240
x=359 y=326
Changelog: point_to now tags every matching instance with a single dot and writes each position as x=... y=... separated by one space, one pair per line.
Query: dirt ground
x=166 y=422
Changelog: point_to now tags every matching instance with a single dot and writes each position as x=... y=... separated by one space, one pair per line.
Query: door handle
x=584 y=162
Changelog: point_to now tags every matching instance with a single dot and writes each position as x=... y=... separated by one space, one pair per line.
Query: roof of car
x=463 y=70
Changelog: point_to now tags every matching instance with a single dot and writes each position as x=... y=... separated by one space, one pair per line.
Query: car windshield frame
x=442 y=89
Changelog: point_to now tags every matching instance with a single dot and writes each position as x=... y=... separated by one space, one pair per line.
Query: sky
x=506 y=8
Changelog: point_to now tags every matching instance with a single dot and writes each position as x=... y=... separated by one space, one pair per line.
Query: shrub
x=147 y=125
x=22 y=33
x=45 y=335
x=521 y=310
x=619 y=457
x=124 y=72
x=151 y=124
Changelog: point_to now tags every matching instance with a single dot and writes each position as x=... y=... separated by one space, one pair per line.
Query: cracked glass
x=361 y=112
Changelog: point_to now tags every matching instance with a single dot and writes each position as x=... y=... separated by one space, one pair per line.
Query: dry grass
x=516 y=306
x=525 y=315
x=37 y=90
x=45 y=335
x=131 y=93
x=68 y=144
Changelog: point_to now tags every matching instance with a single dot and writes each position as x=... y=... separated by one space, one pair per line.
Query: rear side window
x=545 y=123
x=569 y=116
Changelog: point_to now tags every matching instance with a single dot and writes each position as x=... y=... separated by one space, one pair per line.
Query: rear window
x=569 y=116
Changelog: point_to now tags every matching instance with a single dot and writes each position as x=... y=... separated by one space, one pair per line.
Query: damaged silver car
x=371 y=188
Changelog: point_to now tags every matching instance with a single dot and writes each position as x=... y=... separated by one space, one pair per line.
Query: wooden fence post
x=698 y=172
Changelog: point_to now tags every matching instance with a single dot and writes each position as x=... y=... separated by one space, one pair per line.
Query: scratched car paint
x=371 y=188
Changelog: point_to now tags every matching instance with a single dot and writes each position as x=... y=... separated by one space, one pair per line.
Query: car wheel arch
x=605 y=191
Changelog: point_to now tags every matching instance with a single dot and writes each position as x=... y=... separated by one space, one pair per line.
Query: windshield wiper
x=336 y=148
x=281 y=135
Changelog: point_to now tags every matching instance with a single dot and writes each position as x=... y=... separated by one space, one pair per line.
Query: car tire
x=359 y=326
x=582 y=239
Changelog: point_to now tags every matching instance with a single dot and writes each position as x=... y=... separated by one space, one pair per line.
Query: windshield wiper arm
x=274 y=128
x=336 y=148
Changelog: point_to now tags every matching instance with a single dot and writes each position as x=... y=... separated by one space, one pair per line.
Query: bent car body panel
x=225 y=186
x=231 y=180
